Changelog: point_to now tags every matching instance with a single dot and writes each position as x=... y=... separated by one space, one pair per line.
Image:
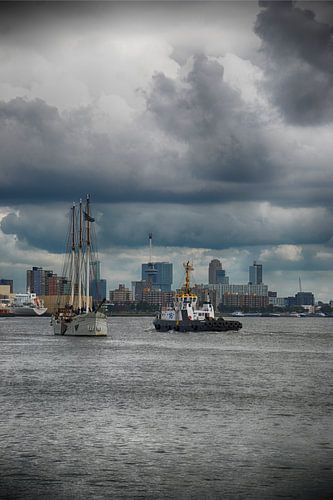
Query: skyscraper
x=95 y=269
x=97 y=285
x=161 y=278
x=216 y=274
x=255 y=274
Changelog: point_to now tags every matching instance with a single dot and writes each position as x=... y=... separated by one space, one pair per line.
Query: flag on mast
x=88 y=217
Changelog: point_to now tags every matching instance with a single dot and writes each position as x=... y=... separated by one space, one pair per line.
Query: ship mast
x=80 y=258
x=73 y=257
x=88 y=219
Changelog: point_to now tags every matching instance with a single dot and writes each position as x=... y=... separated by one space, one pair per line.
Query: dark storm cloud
x=45 y=156
x=197 y=226
x=223 y=137
x=217 y=151
x=51 y=156
x=299 y=61
x=39 y=228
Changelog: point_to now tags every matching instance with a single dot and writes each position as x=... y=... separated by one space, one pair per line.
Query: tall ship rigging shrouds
x=76 y=313
x=185 y=315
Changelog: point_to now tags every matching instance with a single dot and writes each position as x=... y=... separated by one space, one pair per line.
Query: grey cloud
x=218 y=153
x=224 y=138
x=207 y=225
x=39 y=228
x=51 y=156
x=46 y=156
x=299 y=61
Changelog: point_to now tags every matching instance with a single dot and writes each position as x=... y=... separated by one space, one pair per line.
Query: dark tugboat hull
x=212 y=325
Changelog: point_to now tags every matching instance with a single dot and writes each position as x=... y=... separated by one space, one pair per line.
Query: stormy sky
x=209 y=124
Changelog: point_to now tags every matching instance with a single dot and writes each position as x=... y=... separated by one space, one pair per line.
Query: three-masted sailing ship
x=76 y=313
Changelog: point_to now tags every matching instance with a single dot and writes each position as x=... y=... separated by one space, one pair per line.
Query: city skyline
x=50 y=287
x=208 y=124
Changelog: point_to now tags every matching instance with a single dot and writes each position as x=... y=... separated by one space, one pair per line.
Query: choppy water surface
x=142 y=414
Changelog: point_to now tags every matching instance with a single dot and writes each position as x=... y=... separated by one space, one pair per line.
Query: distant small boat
x=237 y=313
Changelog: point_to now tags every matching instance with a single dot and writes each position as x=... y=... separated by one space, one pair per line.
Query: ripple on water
x=147 y=415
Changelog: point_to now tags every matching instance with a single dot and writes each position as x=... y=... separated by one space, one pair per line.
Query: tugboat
x=185 y=316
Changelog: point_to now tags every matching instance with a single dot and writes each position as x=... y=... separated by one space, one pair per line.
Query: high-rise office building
x=304 y=299
x=221 y=278
x=255 y=274
x=97 y=285
x=95 y=268
x=216 y=274
x=214 y=266
x=161 y=278
x=98 y=290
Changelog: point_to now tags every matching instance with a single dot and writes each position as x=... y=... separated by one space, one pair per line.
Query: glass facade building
x=255 y=274
x=162 y=276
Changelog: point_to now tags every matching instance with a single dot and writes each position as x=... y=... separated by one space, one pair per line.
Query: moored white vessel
x=27 y=304
x=76 y=313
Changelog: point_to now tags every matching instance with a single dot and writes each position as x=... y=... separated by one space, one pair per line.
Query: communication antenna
x=150 y=247
x=151 y=271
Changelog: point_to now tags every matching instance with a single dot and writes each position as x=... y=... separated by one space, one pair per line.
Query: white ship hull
x=28 y=311
x=92 y=324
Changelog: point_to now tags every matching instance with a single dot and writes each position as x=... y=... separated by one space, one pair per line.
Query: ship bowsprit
x=209 y=325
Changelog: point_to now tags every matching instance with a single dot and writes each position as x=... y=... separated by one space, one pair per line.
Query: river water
x=141 y=414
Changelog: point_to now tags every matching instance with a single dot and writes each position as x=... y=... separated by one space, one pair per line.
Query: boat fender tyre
x=210 y=324
x=195 y=327
x=158 y=327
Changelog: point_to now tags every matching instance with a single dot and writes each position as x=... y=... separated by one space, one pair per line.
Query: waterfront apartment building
x=277 y=301
x=240 y=289
x=121 y=295
x=44 y=282
x=255 y=274
x=158 y=298
x=250 y=296
x=137 y=290
x=7 y=282
x=158 y=274
x=304 y=299
x=244 y=301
